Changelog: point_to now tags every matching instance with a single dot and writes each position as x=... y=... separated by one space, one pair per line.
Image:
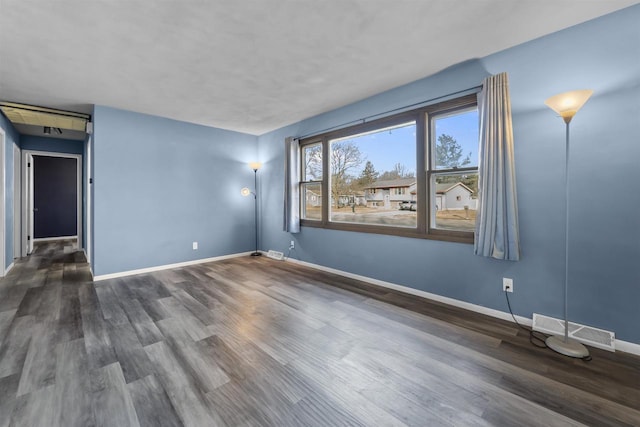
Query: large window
x=453 y=174
x=371 y=174
x=413 y=174
x=311 y=184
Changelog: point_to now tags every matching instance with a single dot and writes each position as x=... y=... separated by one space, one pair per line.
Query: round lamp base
x=571 y=348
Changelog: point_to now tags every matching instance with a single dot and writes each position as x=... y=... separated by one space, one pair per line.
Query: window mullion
x=422 y=144
x=326 y=174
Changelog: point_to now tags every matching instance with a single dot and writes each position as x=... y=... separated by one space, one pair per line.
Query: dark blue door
x=55 y=193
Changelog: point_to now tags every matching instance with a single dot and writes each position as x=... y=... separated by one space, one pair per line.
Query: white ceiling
x=252 y=66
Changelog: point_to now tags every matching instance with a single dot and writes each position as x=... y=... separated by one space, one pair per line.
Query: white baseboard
x=166 y=267
x=53 y=239
x=628 y=347
x=625 y=346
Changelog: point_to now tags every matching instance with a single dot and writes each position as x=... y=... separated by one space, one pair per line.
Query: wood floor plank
x=175 y=310
x=133 y=360
x=30 y=301
x=200 y=364
x=52 y=294
x=110 y=305
x=96 y=337
x=70 y=316
x=250 y=341
x=199 y=310
x=346 y=393
x=153 y=406
x=255 y=397
x=36 y=409
x=39 y=367
x=445 y=402
x=189 y=402
x=317 y=410
x=11 y=297
x=141 y=321
x=6 y=317
x=112 y=403
x=15 y=345
x=8 y=391
x=72 y=386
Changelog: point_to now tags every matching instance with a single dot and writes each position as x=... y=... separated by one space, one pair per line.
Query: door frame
x=3 y=212
x=27 y=196
x=17 y=203
x=88 y=198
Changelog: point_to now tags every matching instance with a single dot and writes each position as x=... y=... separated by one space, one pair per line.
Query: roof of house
x=393 y=183
x=442 y=188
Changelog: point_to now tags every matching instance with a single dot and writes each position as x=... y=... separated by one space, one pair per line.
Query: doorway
x=52 y=197
x=17 y=203
x=2 y=203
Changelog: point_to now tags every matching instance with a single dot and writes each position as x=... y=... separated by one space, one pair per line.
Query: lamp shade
x=245 y=191
x=567 y=104
x=255 y=165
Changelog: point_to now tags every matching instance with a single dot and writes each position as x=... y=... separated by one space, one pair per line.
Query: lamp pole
x=566 y=237
x=255 y=205
x=567 y=105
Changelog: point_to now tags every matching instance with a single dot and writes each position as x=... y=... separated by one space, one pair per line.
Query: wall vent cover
x=275 y=255
x=585 y=334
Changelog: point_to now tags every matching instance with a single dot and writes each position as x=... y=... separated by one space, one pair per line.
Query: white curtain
x=497 y=234
x=292 y=185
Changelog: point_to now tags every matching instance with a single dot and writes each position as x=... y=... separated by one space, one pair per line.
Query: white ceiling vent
x=594 y=337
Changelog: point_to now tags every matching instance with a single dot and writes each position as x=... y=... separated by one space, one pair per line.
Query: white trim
x=88 y=199
x=9 y=268
x=53 y=239
x=17 y=203
x=167 y=266
x=27 y=226
x=628 y=347
x=624 y=346
x=3 y=202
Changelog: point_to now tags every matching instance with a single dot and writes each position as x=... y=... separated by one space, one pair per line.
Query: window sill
x=440 y=235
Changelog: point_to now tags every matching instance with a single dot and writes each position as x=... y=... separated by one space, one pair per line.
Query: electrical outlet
x=507 y=284
x=195 y=246
x=292 y=245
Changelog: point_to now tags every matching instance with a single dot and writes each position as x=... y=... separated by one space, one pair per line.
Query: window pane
x=312 y=162
x=311 y=200
x=456 y=140
x=454 y=201
x=372 y=177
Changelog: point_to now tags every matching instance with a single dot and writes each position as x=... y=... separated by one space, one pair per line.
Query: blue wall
x=161 y=184
x=55 y=145
x=11 y=138
x=603 y=55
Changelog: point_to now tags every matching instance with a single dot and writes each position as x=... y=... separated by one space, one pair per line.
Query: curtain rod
x=395 y=110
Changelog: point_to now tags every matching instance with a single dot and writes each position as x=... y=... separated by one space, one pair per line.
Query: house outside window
x=413 y=174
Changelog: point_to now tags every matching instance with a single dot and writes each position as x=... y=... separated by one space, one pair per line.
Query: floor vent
x=275 y=255
x=585 y=334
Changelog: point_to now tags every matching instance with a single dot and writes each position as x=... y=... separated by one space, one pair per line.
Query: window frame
x=303 y=182
x=424 y=153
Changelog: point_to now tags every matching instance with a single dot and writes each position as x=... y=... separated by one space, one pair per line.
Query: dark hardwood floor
x=257 y=342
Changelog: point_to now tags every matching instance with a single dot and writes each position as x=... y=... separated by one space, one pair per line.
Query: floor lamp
x=245 y=192
x=567 y=105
